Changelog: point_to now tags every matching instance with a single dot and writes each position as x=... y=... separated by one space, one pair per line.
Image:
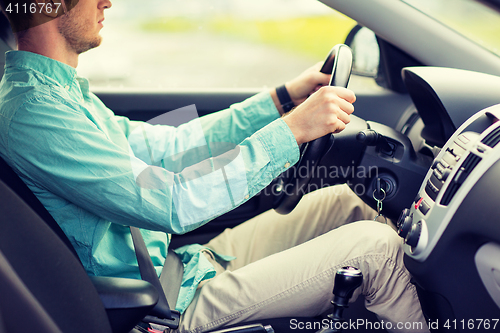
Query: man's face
x=81 y=25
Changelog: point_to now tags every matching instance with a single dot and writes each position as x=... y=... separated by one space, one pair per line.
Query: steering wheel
x=291 y=185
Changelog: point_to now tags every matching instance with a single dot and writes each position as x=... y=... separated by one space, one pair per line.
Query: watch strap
x=284 y=98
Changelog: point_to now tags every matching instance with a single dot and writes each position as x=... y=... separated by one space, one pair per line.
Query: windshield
x=476 y=20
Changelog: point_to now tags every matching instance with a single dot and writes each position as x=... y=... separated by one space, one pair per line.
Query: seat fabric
x=48 y=269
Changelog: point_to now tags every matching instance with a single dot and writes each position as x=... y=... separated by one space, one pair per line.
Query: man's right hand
x=326 y=111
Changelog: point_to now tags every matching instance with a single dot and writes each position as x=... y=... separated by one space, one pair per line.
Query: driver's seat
x=43 y=286
x=41 y=270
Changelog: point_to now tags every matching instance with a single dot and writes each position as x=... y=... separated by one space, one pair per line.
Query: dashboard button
x=431 y=190
x=418 y=203
x=424 y=207
x=437 y=174
x=436 y=182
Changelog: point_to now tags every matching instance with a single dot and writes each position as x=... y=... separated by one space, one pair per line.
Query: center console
x=452 y=230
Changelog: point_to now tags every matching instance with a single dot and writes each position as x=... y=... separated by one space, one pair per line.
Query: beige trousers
x=286 y=265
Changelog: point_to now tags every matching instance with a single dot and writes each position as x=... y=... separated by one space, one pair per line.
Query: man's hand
x=325 y=111
x=303 y=85
x=307 y=83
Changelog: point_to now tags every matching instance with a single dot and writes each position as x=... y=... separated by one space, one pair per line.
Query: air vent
x=492 y=138
x=463 y=172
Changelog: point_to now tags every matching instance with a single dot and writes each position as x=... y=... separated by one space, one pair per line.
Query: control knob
x=414 y=234
x=405 y=226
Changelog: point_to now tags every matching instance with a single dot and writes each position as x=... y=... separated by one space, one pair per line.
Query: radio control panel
x=458 y=166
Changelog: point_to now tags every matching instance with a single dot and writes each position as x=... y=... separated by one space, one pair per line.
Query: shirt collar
x=56 y=70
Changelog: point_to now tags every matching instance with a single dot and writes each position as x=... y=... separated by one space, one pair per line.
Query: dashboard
x=443 y=99
x=451 y=231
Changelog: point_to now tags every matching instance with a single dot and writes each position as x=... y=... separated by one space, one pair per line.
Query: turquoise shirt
x=98 y=173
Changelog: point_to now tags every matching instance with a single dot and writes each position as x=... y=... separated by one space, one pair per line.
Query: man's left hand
x=307 y=83
x=304 y=85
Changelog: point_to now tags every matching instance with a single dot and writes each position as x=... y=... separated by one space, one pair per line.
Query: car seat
x=43 y=285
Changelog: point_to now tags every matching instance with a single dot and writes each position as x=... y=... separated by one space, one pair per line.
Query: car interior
x=425 y=145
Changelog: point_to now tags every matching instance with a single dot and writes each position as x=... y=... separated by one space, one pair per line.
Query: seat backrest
x=45 y=266
x=18 y=304
x=12 y=180
x=7 y=41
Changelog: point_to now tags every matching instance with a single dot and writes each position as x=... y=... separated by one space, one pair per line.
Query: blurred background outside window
x=211 y=44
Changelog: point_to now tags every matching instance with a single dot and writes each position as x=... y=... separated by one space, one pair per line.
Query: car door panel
x=382 y=105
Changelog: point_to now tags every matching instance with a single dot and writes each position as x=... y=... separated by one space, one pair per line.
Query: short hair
x=19 y=12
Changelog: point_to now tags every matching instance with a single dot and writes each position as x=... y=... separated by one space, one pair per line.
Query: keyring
x=379 y=199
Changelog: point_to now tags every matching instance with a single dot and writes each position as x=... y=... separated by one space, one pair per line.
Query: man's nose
x=106 y=4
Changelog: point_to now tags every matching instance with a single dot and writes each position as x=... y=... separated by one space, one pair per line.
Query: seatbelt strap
x=171 y=276
x=161 y=313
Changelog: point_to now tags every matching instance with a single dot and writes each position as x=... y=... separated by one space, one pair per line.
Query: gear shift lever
x=347 y=280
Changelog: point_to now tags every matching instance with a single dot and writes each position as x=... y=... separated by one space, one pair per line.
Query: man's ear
x=51 y=8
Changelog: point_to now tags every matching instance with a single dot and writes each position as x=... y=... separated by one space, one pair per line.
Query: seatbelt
x=171 y=276
x=161 y=313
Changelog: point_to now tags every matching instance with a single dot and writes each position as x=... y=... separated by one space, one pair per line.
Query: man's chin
x=88 y=46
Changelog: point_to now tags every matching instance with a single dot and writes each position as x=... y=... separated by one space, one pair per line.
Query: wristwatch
x=284 y=98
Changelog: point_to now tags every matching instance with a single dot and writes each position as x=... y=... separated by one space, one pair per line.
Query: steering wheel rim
x=291 y=185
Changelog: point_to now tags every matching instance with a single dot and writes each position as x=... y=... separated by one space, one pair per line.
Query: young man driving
x=98 y=173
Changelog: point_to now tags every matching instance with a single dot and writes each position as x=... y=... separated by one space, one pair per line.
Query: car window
x=474 y=19
x=211 y=44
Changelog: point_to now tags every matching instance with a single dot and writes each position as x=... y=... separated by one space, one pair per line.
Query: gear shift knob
x=347 y=280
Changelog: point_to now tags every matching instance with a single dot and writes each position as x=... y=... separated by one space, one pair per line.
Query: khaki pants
x=286 y=265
